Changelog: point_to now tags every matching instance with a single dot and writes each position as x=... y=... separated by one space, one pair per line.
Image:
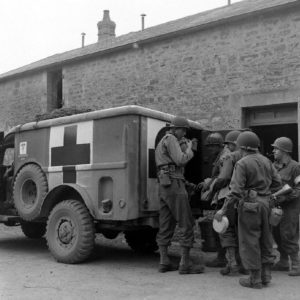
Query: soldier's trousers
x=175 y=209
x=254 y=233
x=286 y=234
x=230 y=237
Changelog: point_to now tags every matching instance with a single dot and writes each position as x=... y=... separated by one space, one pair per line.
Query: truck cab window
x=8 y=157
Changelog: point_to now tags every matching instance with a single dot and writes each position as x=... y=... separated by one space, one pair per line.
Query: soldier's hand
x=219 y=215
x=194 y=144
x=272 y=201
x=199 y=186
x=189 y=145
x=205 y=186
x=191 y=186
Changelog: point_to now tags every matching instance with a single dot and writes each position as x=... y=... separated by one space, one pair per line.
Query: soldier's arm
x=237 y=186
x=179 y=157
x=294 y=195
x=226 y=171
x=276 y=180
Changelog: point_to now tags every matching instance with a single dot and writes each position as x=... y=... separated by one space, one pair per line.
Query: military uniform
x=229 y=238
x=253 y=179
x=174 y=204
x=218 y=182
x=286 y=234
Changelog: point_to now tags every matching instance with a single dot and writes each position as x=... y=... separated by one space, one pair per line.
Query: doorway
x=272 y=121
x=268 y=134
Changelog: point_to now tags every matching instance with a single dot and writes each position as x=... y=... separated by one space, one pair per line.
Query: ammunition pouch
x=164 y=178
x=163 y=175
x=275 y=216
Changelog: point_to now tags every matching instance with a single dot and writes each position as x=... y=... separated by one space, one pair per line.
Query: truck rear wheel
x=142 y=241
x=70 y=232
x=30 y=189
x=33 y=230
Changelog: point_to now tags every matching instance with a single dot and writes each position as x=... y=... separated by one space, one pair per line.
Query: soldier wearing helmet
x=211 y=186
x=174 y=204
x=286 y=234
x=253 y=179
x=230 y=139
x=229 y=239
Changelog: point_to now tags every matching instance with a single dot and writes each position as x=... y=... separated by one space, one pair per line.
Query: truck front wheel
x=142 y=241
x=70 y=232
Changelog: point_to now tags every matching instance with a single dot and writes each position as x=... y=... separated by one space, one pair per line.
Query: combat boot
x=232 y=268
x=242 y=270
x=254 y=281
x=165 y=264
x=185 y=266
x=295 y=265
x=283 y=264
x=266 y=274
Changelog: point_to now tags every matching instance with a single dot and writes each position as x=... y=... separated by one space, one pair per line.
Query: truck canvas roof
x=101 y=114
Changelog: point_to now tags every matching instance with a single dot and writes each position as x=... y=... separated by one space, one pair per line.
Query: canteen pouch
x=164 y=178
x=275 y=216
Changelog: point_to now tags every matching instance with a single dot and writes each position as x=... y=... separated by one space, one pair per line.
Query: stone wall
x=202 y=75
x=21 y=99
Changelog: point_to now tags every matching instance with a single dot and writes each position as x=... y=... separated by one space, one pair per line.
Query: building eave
x=151 y=39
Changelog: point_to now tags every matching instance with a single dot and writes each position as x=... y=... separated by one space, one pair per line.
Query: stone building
x=231 y=67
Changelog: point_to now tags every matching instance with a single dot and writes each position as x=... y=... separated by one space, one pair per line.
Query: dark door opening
x=269 y=133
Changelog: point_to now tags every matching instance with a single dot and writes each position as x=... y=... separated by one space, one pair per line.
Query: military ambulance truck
x=75 y=176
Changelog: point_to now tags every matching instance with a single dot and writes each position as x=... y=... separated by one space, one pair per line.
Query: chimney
x=106 y=27
x=143 y=21
x=82 y=39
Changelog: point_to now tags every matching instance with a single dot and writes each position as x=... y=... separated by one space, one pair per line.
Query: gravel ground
x=114 y=271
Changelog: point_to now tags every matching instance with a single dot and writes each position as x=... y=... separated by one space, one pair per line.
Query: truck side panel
x=32 y=145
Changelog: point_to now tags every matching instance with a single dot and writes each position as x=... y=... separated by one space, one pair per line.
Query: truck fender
x=64 y=192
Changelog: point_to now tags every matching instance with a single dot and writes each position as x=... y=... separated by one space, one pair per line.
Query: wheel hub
x=29 y=192
x=66 y=231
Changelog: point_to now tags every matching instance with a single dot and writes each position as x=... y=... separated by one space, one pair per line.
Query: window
x=54 y=90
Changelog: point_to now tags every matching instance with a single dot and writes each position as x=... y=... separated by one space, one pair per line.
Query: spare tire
x=30 y=189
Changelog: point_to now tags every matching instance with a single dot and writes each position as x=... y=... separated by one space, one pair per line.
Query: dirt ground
x=114 y=271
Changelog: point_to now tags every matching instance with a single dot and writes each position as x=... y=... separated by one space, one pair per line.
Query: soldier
x=286 y=234
x=215 y=144
x=174 y=203
x=229 y=239
x=254 y=177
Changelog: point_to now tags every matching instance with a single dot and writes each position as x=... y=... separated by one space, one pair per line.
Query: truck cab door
x=6 y=163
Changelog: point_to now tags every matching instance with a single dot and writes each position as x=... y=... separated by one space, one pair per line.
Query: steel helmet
x=180 y=122
x=284 y=144
x=231 y=137
x=248 y=141
x=214 y=138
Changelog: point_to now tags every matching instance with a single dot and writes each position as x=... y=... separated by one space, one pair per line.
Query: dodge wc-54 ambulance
x=74 y=176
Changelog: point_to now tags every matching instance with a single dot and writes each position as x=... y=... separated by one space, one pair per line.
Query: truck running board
x=10 y=220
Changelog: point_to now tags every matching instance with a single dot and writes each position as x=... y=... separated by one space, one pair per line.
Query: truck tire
x=142 y=241
x=30 y=189
x=70 y=232
x=33 y=230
